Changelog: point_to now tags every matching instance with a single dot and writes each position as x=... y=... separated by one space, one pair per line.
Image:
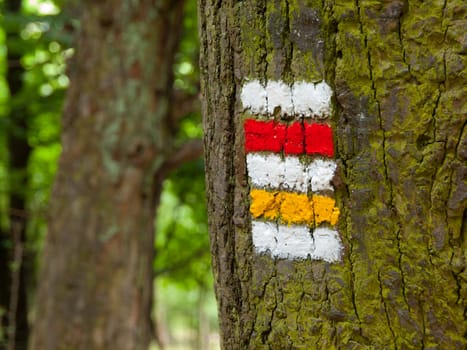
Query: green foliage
x=186 y=66
x=182 y=246
x=183 y=265
x=37 y=36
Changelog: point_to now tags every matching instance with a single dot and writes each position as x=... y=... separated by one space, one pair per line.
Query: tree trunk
x=95 y=287
x=385 y=267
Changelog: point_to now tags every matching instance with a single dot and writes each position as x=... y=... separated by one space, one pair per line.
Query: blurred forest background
x=36 y=40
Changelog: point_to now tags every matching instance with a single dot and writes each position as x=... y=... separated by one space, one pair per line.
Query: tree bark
x=96 y=282
x=397 y=70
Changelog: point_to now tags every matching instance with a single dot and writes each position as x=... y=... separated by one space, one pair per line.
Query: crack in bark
x=401 y=39
x=420 y=305
x=399 y=261
x=386 y=312
x=347 y=168
x=434 y=112
x=443 y=10
x=288 y=53
x=446 y=208
x=459 y=139
x=458 y=282
x=388 y=180
x=266 y=333
x=352 y=287
x=375 y=95
x=261 y=10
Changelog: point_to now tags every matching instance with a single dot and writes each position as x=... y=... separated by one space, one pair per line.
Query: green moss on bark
x=398 y=72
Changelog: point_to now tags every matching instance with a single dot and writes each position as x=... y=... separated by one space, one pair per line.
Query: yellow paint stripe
x=296 y=208
x=293 y=208
x=264 y=203
x=325 y=210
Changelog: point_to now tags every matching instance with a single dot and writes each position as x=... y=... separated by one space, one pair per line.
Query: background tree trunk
x=398 y=72
x=95 y=286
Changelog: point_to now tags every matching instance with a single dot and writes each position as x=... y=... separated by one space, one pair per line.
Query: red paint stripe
x=296 y=138
x=264 y=136
x=318 y=139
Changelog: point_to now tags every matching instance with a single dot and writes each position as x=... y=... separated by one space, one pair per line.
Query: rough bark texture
x=96 y=282
x=398 y=71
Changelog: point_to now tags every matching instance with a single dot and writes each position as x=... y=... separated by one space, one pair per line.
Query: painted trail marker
x=302 y=99
x=291 y=166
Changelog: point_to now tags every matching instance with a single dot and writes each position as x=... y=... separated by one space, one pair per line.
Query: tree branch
x=188 y=152
x=183 y=104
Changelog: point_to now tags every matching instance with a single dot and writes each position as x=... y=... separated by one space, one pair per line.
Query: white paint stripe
x=293 y=242
x=320 y=172
x=296 y=242
x=265 y=170
x=301 y=99
x=253 y=97
x=312 y=99
x=328 y=246
x=295 y=178
x=270 y=170
x=264 y=236
x=279 y=95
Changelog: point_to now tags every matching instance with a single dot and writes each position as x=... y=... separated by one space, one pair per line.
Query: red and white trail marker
x=287 y=157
